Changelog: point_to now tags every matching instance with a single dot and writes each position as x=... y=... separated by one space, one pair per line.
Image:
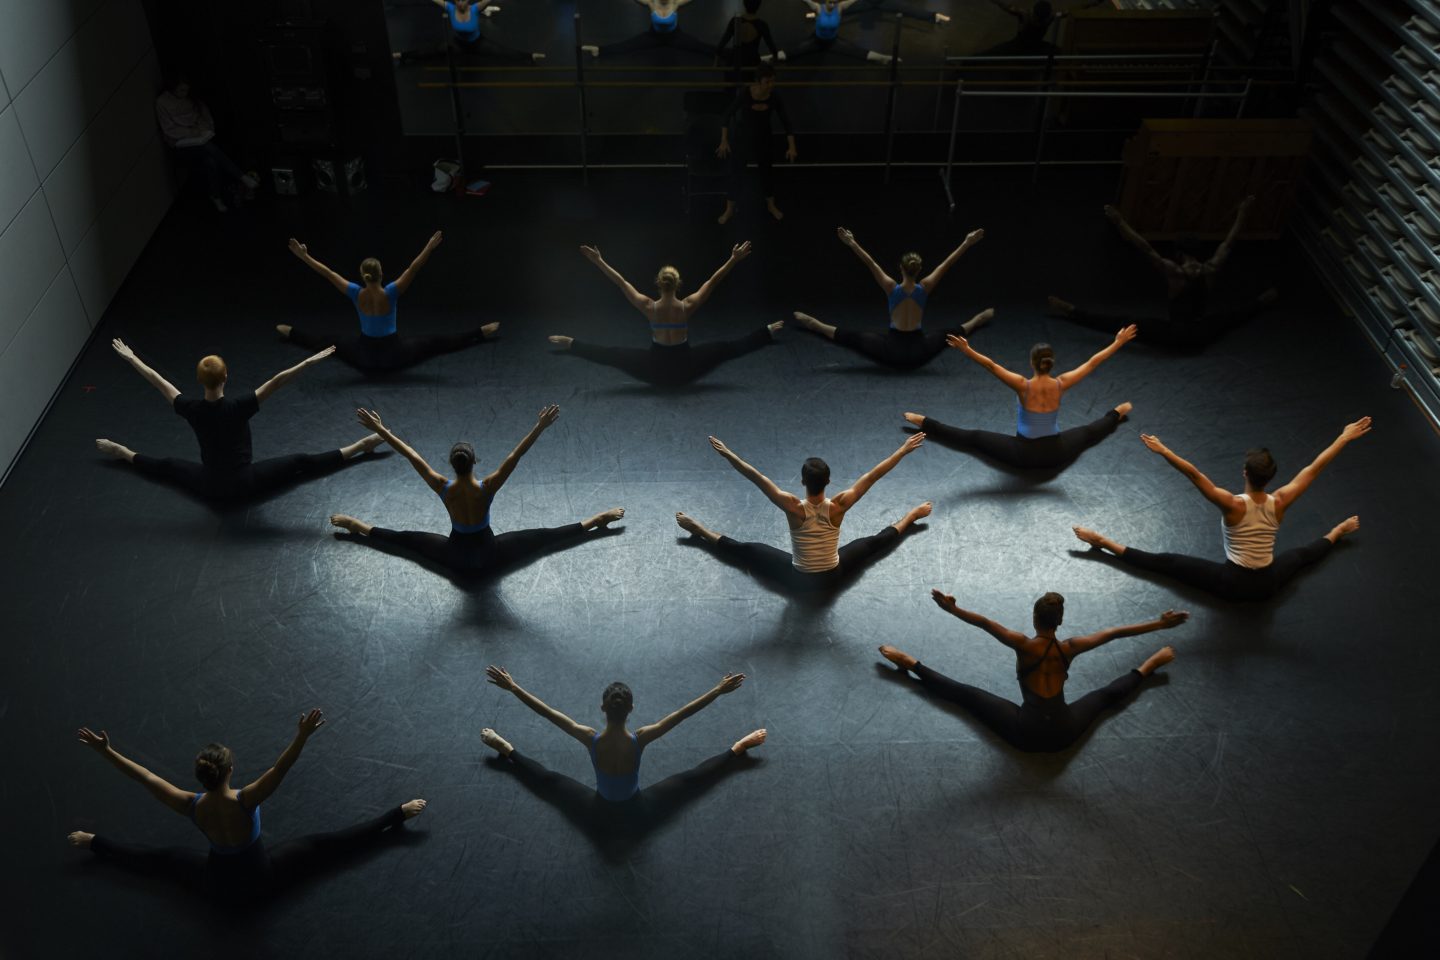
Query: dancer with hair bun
x=1038 y=441
x=671 y=359
x=379 y=348
x=472 y=548
x=1250 y=522
x=904 y=346
x=239 y=866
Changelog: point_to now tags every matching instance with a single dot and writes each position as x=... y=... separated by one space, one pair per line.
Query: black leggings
x=1180 y=328
x=473 y=554
x=1042 y=452
x=1227 y=580
x=255 y=873
x=670 y=365
x=812 y=45
x=249 y=480
x=651 y=39
x=380 y=355
x=1038 y=724
x=900 y=349
x=482 y=46
x=753 y=141
x=771 y=563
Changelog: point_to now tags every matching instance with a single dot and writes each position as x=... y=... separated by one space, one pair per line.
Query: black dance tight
x=479 y=553
x=774 y=564
x=672 y=365
x=250 y=480
x=380 y=355
x=1053 y=451
x=901 y=349
x=1227 y=580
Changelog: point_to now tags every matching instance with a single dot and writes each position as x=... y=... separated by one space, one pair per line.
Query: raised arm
x=637 y=300
x=846 y=499
x=502 y=679
x=1228 y=503
x=1166 y=621
x=303 y=252
x=1011 y=638
x=1072 y=377
x=737 y=253
x=1010 y=378
x=402 y=283
x=936 y=275
x=654 y=731
x=1289 y=493
x=1222 y=252
x=887 y=282
x=160 y=788
x=165 y=387
x=259 y=790
x=496 y=480
x=285 y=376
x=785 y=501
x=1140 y=243
x=371 y=421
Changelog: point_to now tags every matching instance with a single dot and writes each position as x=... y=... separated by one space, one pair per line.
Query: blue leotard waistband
x=1033 y=425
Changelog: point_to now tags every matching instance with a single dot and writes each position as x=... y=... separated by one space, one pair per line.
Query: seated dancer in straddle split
x=1189 y=280
x=818 y=561
x=615 y=754
x=464 y=18
x=379 y=348
x=1249 y=523
x=472 y=548
x=1038 y=441
x=222 y=428
x=239 y=866
x=1043 y=721
x=827 y=37
x=904 y=345
x=664 y=32
x=670 y=359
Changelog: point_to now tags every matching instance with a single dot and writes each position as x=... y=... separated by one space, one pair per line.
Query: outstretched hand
x=369 y=419
x=123 y=348
x=298 y=248
x=1112 y=214
x=1126 y=334
x=548 y=415
x=730 y=682
x=500 y=677
x=975 y=236
x=591 y=253
x=791 y=153
x=740 y=251
x=912 y=443
x=1354 y=431
x=720 y=447
x=944 y=601
x=309 y=723
x=434 y=240
x=723 y=150
x=846 y=237
x=1173 y=618
x=99 y=742
x=1153 y=442
x=956 y=341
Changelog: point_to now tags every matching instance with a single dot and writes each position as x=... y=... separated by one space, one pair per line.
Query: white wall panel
x=31 y=32
x=102 y=158
x=37 y=359
x=30 y=256
x=17 y=173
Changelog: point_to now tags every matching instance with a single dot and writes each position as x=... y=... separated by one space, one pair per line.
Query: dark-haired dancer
x=747 y=31
x=1250 y=522
x=1189 y=281
x=818 y=560
x=750 y=112
x=379 y=348
x=1043 y=721
x=904 y=345
x=239 y=865
x=1038 y=441
x=671 y=359
x=222 y=428
x=664 y=32
x=472 y=548
x=463 y=17
x=828 y=14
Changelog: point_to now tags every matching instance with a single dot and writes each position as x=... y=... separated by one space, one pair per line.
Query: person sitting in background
x=189 y=130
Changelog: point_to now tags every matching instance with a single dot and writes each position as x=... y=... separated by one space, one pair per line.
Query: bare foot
x=979 y=320
x=774 y=210
x=918 y=419
x=1342 y=528
x=591 y=49
x=806 y=321
x=1060 y=306
x=1269 y=296
x=727 y=214
x=1124 y=409
x=692 y=526
x=898 y=657
x=284 y=329
x=748 y=742
x=562 y=342
x=496 y=742
x=112 y=449
x=1157 y=660
x=775 y=328
x=488 y=330
x=941 y=18
x=1096 y=541
x=412 y=809
x=363 y=445
x=346 y=522
x=81 y=839
x=534 y=57
x=919 y=513
x=604 y=518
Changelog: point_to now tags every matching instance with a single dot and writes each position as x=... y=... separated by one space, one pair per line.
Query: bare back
x=669 y=320
x=1041 y=394
x=467 y=501
x=223 y=818
x=908 y=313
x=1043 y=664
x=617 y=752
x=371 y=300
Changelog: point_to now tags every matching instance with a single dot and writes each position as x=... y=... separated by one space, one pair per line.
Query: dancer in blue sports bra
x=664 y=32
x=472 y=548
x=238 y=867
x=904 y=346
x=827 y=37
x=379 y=348
x=671 y=359
x=1038 y=441
x=463 y=18
x=615 y=752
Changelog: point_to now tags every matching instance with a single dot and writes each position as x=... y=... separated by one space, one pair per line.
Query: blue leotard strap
x=254 y=826
x=1033 y=425
x=467 y=30
x=616 y=787
x=370 y=325
x=898 y=295
x=664 y=24
x=455 y=527
x=827 y=25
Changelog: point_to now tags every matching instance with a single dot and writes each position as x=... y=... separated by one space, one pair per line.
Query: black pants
x=1180 y=329
x=1042 y=452
x=212 y=164
x=670 y=365
x=255 y=873
x=651 y=39
x=753 y=141
x=475 y=554
x=380 y=355
x=482 y=46
x=889 y=6
x=1038 y=724
x=812 y=45
x=771 y=563
x=251 y=480
x=1227 y=580
x=900 y=349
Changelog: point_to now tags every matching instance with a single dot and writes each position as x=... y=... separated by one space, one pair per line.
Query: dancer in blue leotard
x=472 y=548
x=904 y=346
x=827 y=37
x=463 y=18
x=664 y=32
x=1038 y=441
